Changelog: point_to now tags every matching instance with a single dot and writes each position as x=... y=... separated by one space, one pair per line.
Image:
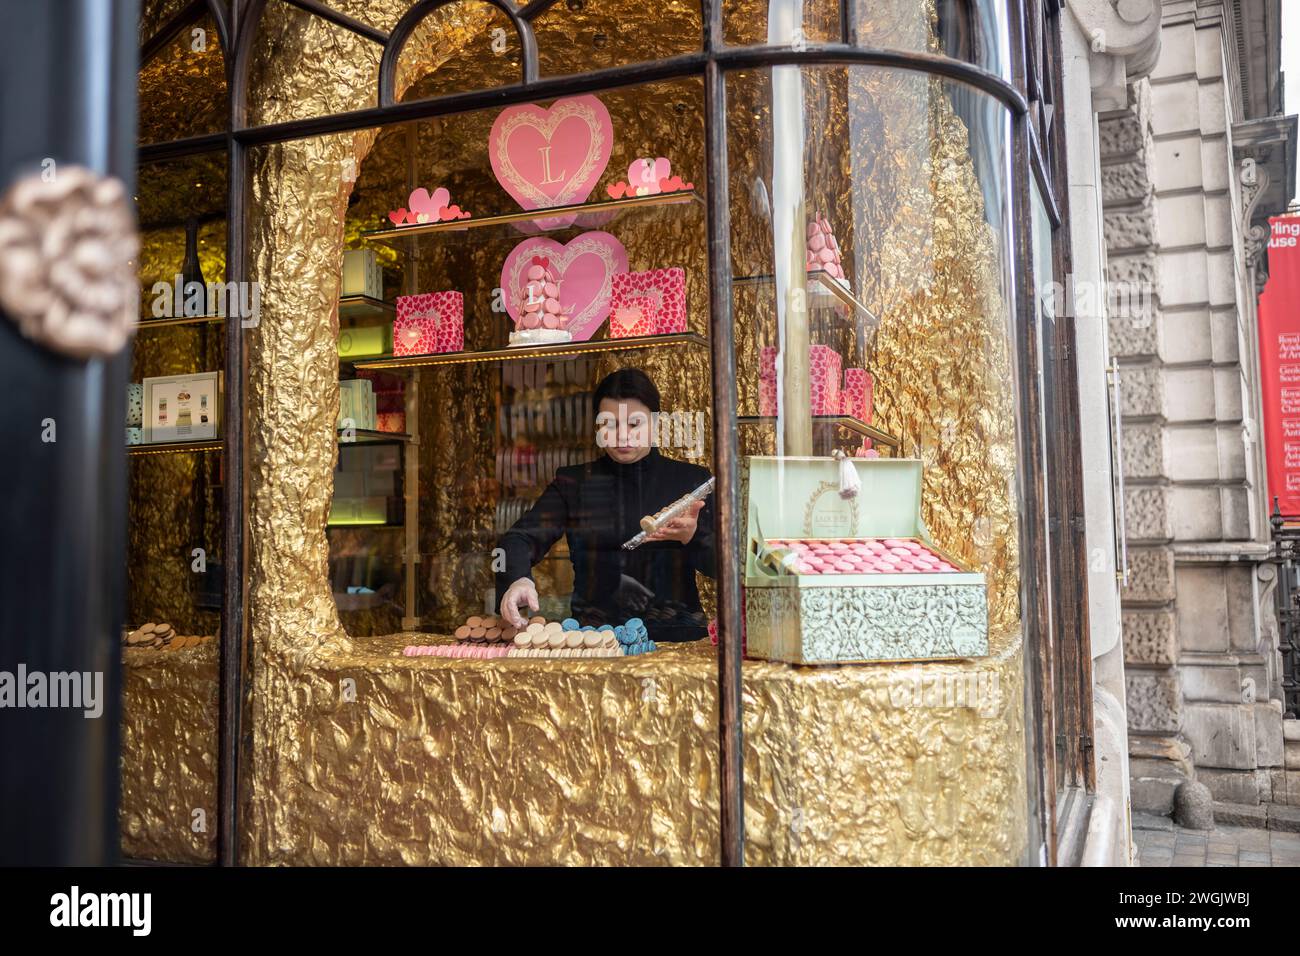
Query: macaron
x=570 y=624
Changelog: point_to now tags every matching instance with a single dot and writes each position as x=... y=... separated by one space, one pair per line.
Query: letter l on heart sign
x=551 y=157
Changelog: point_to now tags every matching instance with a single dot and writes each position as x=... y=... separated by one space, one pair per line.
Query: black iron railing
x=1286 y=554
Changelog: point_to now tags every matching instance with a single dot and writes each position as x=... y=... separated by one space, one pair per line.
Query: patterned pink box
x=658 y=294
x=628 y=321
x=429 y=322
x=855 y=397
x=824 y=379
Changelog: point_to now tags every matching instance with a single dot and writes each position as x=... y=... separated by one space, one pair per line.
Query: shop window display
x=446 y=299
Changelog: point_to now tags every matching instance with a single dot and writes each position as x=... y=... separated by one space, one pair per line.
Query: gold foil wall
x=169 y=754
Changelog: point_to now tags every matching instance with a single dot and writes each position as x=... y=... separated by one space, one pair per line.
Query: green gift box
x=366 y=341
x=850 y=617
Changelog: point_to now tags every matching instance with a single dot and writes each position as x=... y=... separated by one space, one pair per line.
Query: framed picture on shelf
x=182 y=407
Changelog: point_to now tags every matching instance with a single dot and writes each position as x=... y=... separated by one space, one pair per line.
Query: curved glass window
x=974 y=31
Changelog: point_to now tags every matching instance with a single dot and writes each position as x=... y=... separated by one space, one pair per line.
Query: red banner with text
x=1279 y=363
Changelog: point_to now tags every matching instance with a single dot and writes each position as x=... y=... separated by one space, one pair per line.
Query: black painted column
x=67 y=95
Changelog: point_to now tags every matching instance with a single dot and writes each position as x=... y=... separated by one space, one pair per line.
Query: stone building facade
x=1192 y=163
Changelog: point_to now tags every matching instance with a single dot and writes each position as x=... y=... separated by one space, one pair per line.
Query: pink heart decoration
x=422 y=203
x=398 y=216
x=551 y=157
x=585 y=270
x=648 y=173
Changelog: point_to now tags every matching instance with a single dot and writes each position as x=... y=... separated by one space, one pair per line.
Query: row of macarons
x=862 y=556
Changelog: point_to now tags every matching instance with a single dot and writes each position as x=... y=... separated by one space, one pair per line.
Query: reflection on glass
x=901 y=181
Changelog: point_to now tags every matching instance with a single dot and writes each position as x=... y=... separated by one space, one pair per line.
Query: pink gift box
x=390 y=402
x=824 y=379
x=390 y=422
x=658 y=295
x=855 y=396
x=628 y=321
x=428 y=323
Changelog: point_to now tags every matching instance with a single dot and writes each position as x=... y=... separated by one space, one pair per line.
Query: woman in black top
x=599 y=506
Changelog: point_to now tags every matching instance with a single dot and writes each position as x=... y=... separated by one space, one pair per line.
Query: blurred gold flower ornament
x=67 y=271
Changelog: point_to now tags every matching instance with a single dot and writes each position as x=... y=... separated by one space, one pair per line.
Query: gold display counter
x=169 y=754
x=377 y=758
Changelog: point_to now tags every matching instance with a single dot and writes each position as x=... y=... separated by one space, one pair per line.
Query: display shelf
x=369 y=436
x=585 y=212
x=823 y=286
x=358 y=602
x=561 y=350
x=144 y=324
x=847 y=422
x=364 y=307
x=175 y=447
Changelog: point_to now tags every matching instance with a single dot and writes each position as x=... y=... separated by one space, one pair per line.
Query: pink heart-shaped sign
x=551 y=157
x=584 y=270
x=422 y=203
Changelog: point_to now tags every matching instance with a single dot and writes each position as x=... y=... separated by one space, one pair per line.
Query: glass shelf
x=364 y=307
x=823 y=287
x=369 y=436
x=847 y=422
x=594 y=215
x=143 y=324
x=176 y=447
x=559 y=351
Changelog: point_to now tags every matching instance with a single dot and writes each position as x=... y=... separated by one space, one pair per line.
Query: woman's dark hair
x=627 y=383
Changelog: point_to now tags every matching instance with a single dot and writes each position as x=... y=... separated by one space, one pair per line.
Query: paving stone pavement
x=1171 y=845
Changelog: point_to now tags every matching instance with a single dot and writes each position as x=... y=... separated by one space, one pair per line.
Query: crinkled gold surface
x=398 y=760
x=169 y=754
x=183 y=89
x=362 y=756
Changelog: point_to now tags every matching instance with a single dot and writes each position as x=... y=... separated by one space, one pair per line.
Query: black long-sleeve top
x=599 y=505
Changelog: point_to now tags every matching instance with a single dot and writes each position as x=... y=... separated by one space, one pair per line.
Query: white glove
x=522 y=592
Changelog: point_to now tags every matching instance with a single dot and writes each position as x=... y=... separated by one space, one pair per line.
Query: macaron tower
x=823 y=250
x=542 y=320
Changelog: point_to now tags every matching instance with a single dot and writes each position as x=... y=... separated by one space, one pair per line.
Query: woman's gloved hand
x=682 y=528
x=522 y=593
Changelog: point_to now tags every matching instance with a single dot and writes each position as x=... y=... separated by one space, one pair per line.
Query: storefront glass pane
x=183 y=87
x=578 y=36
x=873 y=313
x=411 y=465
x=177 y=467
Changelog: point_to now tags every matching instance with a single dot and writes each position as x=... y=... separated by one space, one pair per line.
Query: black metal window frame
x=238 y=23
